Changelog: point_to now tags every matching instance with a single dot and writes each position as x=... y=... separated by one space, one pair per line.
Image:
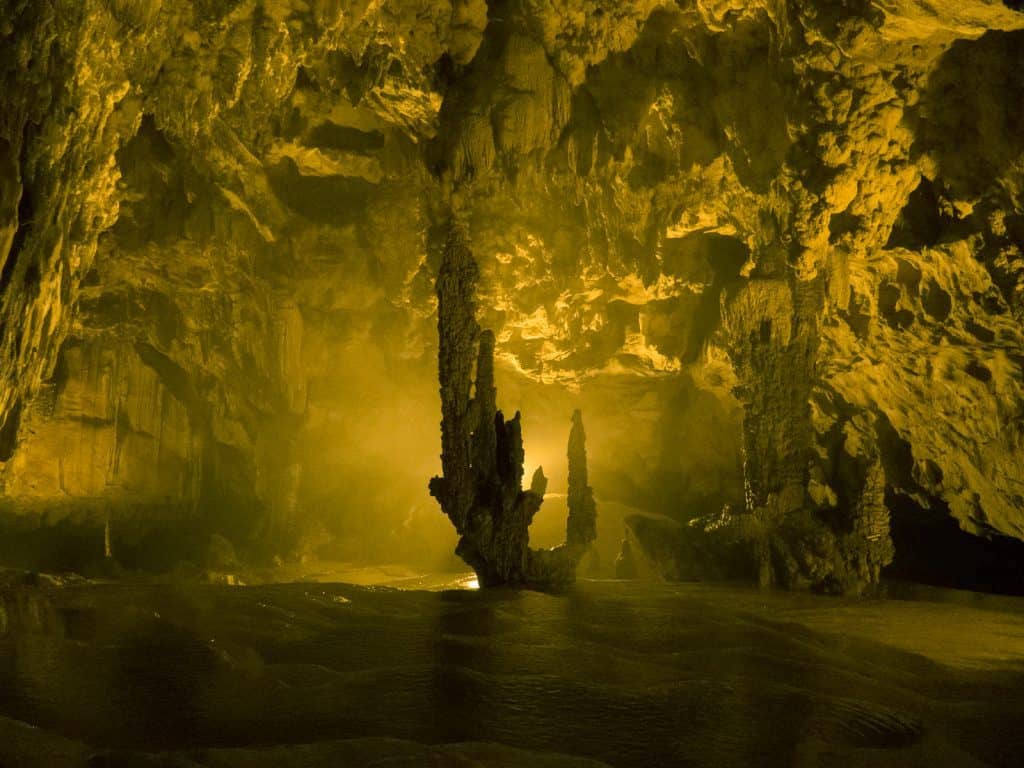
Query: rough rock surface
x=781 y=241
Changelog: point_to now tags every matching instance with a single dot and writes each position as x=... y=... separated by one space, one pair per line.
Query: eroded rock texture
x=773 y=248
x=482 y=454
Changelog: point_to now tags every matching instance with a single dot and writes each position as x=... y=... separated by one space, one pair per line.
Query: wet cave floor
x=623 y=674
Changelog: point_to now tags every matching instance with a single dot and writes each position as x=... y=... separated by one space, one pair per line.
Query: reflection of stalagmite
x=108 y=549
x=482 y=453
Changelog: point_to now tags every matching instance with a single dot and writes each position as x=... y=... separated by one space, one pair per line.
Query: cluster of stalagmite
x=814 y=513
x=482 y=453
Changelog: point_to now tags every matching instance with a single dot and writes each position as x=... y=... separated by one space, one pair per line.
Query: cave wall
x=774 y=247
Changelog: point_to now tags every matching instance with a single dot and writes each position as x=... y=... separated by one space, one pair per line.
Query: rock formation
x=482 y=454
x=774 y=248
x=581 y=525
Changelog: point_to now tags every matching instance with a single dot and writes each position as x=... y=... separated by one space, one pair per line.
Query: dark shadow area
x=971 y=121
x=159 y=206
x=931 y=548
x=149 y=540
x=337 y=200
x=889 y=308
x=937 y=302
x=923 y=220
x=26 y=220
x=9 y=431
x=341 y=137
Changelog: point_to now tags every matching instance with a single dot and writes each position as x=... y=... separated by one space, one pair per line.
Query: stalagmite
x=482 y=454
x=581 y=527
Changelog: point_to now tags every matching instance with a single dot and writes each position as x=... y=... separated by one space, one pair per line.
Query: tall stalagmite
x=482 y=453
x=581 y=527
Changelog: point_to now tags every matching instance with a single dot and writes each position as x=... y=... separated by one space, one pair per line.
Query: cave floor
x=624 y=674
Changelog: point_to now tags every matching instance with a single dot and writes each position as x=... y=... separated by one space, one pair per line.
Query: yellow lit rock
x=805 y=215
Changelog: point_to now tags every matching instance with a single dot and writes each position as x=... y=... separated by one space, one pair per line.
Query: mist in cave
x=511 y=383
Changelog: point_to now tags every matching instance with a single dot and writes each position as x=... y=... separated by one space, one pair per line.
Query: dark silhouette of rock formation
x=581 y=527
x=482 y=452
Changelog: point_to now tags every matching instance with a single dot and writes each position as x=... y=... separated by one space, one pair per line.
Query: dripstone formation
x=482 y=452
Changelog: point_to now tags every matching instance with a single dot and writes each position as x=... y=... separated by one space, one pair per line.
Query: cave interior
x=620 y=383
